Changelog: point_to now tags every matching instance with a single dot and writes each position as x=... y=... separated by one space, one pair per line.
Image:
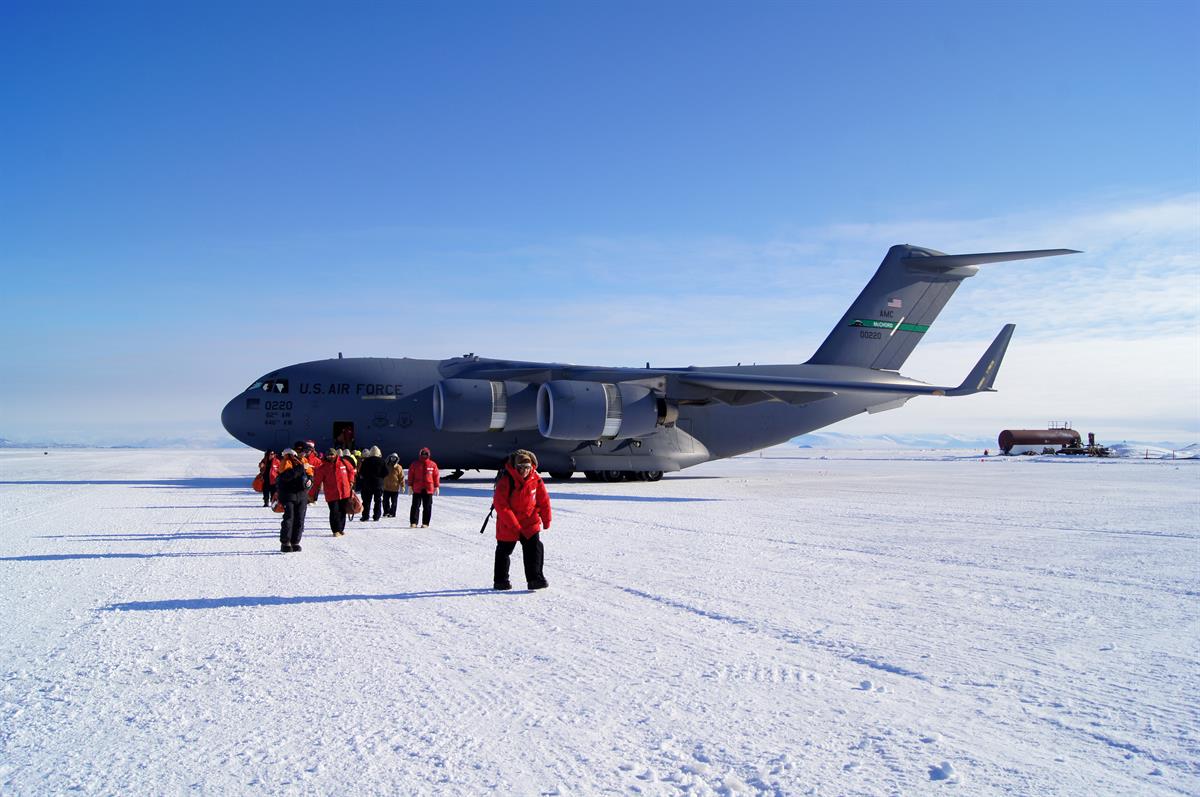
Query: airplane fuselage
x=389 y=402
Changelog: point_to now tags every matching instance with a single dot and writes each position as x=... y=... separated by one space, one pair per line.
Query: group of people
x=353 y=481
x=296 y=477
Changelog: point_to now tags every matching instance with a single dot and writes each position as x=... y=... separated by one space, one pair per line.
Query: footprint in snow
x=943 y=771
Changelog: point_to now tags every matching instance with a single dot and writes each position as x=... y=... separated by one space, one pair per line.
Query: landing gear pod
x=481 y=405
x=570 y=410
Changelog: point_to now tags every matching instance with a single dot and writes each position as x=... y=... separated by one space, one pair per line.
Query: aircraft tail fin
x=895 y=309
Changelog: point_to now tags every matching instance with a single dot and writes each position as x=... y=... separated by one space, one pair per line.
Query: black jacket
x=372 y=473
x=293 y=484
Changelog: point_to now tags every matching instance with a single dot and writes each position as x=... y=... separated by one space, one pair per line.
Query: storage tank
x=1011 y=438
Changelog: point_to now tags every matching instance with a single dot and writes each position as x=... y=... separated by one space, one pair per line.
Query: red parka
x=424 y=476
x=522 y=505
x=336 y=476
x=270 y=474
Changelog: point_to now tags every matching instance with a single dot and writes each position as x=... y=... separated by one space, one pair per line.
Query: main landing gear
x=622 y=475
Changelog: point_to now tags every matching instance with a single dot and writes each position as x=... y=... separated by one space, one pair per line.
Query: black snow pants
x=337 y=515
x=390 y=498
x=532 y=554
x=424 y=503
x=371 y=498
x=291 y=529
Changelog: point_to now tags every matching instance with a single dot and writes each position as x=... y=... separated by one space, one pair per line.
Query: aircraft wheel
x=637 y=476
x=592 y=475
x=561 y=475
x=653 y=475
x=612 y=475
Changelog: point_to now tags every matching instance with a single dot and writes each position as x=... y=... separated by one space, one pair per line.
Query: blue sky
x=194 y=193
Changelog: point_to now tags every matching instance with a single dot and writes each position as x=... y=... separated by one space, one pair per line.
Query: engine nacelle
x=481 y=405
x=571 y=410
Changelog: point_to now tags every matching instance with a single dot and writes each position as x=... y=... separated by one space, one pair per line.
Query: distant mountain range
x=835 y=440
x=822 y=440
x=148 y=442
x=885 y=441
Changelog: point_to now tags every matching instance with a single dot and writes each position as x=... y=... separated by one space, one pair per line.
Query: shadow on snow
x=61 y=557
x=201 y=483
x=281 y=600
x=555 y=496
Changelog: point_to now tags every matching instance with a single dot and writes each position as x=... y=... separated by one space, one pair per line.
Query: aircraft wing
x=748 y=388
x=979 y=380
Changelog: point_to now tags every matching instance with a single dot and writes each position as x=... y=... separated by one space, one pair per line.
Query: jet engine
x=571 y=410
x=481 y=405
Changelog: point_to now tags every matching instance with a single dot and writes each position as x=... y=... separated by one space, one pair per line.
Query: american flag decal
x=895 y=303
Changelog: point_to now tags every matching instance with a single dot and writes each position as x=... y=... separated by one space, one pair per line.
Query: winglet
x=984 y=373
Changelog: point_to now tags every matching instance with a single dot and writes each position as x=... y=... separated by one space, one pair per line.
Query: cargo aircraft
x=622 y=423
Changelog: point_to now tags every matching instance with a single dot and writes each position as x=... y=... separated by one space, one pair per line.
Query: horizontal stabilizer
x=943 y=262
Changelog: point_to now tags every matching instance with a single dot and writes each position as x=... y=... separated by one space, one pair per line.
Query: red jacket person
x=424 y=480
x=336 y=476
x=522 y=511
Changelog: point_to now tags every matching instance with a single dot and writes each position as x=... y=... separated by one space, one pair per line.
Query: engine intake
x=481 y=405
x=572 y=410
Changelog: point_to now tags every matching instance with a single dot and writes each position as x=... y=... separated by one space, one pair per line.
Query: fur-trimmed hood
x=522 y=454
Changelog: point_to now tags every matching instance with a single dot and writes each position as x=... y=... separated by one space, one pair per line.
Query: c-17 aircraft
x=617 y=423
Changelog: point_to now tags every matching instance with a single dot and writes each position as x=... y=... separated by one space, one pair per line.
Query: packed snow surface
x=803 y=622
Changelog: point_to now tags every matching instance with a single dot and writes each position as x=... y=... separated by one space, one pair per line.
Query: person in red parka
x=268 y=468
x=336 y=476
x=522 y=511
x=425 y=481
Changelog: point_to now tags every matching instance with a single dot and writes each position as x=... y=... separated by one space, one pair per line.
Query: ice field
x=803 y=622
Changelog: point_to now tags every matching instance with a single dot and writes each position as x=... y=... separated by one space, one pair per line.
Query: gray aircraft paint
x=702 y=413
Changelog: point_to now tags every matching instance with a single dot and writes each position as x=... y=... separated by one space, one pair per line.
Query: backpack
x=295 y=480
x=500 y=474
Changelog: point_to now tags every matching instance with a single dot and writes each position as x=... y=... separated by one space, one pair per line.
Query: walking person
x=424 y=480
x=292 y=486
x=522 y=511
x=393 y=485
x=268 y=468
x=335 y=476
x=371 y=476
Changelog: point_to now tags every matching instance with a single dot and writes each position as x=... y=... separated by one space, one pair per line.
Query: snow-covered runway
x=900 y=624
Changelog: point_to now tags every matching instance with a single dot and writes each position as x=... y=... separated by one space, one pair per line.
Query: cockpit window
x=269 y=384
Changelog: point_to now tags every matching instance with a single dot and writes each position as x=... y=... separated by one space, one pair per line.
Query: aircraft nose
x=231 y=418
